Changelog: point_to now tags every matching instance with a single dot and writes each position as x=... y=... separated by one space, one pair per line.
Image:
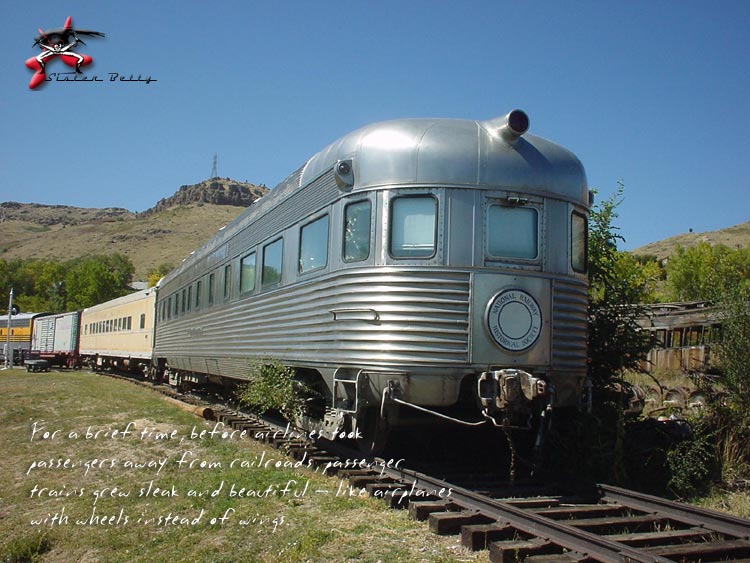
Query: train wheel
x=653 y=397
x=698 y=400
x=372 y=432
x=676 y=397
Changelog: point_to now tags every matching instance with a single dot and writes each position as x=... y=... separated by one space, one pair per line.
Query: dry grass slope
x=164 y=234
x=165 y=237
x=733 y=237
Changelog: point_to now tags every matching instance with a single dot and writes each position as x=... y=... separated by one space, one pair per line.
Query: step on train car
x=413 y=269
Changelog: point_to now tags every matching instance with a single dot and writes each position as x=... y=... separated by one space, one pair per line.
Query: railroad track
x=521 y=521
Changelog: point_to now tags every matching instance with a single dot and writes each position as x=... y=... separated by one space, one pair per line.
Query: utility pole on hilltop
x=215 y=169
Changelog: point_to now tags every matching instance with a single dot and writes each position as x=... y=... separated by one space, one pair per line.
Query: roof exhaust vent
x=510 y=126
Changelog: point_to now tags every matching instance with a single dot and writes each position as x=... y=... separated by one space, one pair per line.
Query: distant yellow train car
x=20 y=336
x=119 y=333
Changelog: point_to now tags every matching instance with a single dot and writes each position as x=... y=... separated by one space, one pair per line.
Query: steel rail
x=691 y=515
x=581 y=544
x=577 y=540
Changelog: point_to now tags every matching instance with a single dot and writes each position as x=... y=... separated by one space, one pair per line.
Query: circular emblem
x=514 y=320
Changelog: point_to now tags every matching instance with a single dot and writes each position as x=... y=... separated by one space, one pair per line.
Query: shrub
x=273 y=387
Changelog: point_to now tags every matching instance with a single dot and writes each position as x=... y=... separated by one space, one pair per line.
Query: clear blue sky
x=655 y=93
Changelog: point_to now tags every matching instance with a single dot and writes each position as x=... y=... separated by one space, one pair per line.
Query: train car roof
x=430 y=152
x=439 y=152
x=125 y=299
x=21 y=317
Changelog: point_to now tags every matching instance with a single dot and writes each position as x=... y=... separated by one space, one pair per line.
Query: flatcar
x=414 y=268
x=119 y=333
x=55 y=338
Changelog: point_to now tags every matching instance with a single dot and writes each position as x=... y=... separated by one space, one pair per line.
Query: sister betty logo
x=59 y=42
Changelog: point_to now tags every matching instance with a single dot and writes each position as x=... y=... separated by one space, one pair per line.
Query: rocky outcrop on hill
x=49 y=215
x=216 y=191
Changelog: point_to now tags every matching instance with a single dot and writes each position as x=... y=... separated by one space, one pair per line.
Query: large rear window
x=513 y=232
x=413 y=227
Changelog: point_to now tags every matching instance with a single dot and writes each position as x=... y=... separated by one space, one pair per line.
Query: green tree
x=705 y=273
x=155 y=274
x=618 y=283
x=50 y=286
x=734 y=348
x=96 y=279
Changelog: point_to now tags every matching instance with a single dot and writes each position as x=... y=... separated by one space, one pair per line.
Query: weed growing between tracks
x=167 y=525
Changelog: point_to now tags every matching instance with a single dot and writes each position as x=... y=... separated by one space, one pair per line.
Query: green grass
x=285 y=528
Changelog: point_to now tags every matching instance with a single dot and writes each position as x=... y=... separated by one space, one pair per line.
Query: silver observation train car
x=413 y=268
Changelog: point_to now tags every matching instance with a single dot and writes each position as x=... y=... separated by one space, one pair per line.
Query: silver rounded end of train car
x=510 y=126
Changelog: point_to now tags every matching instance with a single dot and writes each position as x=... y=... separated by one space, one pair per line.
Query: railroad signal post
x=8 y=352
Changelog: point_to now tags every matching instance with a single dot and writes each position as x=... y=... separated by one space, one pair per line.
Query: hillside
x=166 y=233
x=733 y=237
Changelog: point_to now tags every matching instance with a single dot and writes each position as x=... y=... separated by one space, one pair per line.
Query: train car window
x=272 y=257
x=357 y=218
x=513 y=232
x=198 y=288
x=313 y=245
x=247 y=273
x=227 y=280
x=579 y=242
x=176 y=305
x=211 y=284
x=183 y=308
x=413 y=227
x=143 y=320
x=169 y=307
x=130 y=323
x=189 y=298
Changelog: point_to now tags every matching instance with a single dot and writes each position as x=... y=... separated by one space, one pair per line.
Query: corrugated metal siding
x=569 y=325
x=258 y=225
x=43 y=336
x=66 y=333
x=423 y=320
x=296 y=207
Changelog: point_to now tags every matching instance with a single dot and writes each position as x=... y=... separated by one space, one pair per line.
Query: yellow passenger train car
x=20 y=336
x=119 y=333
